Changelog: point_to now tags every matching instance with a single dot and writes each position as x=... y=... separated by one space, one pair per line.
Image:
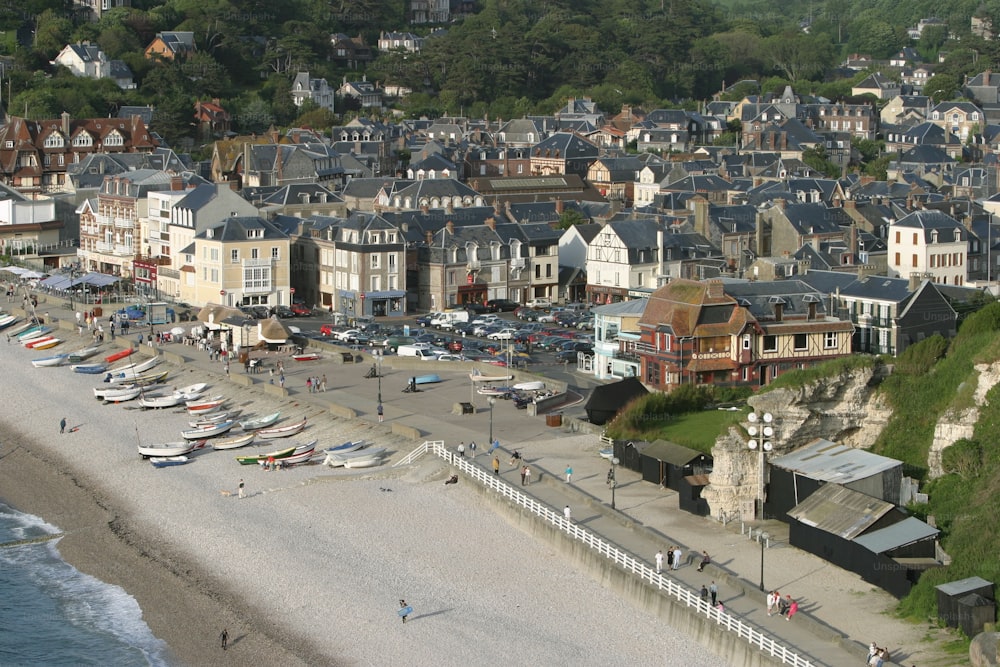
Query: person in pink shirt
x=792 y=609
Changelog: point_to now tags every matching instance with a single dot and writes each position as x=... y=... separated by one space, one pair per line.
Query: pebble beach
x=307 y=569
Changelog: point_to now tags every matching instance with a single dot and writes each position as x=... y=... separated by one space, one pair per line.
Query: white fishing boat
x=32 y=343
x=144 y=378
x=363 y=462
x=477 y=376
x=208 y=431
x=194 y=390
x=127 y=394
x=47 y=344
x=340 y=460
x=8 y=320
x=160 y=401
x=214 y=418
x=301 y=454
x=536 y=385
x=89 y=369
x=108 y=393
x=83 y=354
x=349 y=446
x=198 y=407
x=165 y=449
x=259 y=422
x=168 y=461
x=235 y=442
x=281 y=431
x=44 y=362
x=32 y=332
x=135 y=367
x=21 y=328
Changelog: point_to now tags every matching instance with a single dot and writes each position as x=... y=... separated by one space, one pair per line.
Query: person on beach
x=241 y=488
x=496 y=464
x=670 y=557
x=567 y=513
x=281 y=380
x=62 y=425
x=659 y=561
x=224 y=638
x=527 y=475
x=402 y=606
x=713 y=592
x=569 y=474
x=461 y=449
x=381 y=414
x=515 y=458
x=322 y=385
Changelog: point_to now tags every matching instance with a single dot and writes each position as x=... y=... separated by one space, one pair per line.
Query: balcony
x=517 y=264
x=473 y=265
x=124 y=250
x=124 y=223
x=627 y=356
x=105 y=247
x=253 y=263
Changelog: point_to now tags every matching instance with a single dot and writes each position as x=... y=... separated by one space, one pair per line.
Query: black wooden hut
x=967 y=604
x=607 y=400
x=667 y=463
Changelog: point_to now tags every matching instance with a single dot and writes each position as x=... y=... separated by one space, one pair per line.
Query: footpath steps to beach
x=630 y=547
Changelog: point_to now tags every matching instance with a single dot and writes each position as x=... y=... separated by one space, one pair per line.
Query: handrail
x=621 y=558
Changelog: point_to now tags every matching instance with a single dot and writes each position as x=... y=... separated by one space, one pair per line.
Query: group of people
x=673 y=559
x=877 y=656
x=783 y=606
x=316 y=384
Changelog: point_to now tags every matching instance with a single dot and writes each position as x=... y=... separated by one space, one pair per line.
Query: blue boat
x=427 y=379
x=91 y=369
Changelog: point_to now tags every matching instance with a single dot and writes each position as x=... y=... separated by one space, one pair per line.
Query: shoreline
x=99 y=541
x=308 y=569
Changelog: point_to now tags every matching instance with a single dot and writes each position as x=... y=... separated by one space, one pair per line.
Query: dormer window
x=83 y=140
x=54 y=140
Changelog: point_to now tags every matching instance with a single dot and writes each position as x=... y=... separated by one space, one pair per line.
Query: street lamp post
x=492 y=401
x=378 y=366
x=614 y=479
x=761 y=432
x=764 y=537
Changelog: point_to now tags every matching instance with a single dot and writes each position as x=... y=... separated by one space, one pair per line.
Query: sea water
x=52 y=614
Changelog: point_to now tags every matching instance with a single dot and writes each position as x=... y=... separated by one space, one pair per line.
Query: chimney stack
x=715 y=289
x=559 y=205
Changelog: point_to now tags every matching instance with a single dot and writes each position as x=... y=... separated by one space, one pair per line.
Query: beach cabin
x=667 y=464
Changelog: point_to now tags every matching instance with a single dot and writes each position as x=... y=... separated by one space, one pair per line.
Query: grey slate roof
x=235 y=229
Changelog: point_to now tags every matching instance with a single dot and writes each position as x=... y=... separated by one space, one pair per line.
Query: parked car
x=501 y=305
x=455 y=345
x=586 y=323
x=300 y=310
x=567 y=318
x=546 y=317
x=502 y=334
x=567 y=355
x=476 y=308
x=282 y=311
x=425 y=320
x=540 y=302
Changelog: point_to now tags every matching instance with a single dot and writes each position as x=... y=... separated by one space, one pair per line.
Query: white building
x=616 y=332
x=929 y=243
x=318 y=90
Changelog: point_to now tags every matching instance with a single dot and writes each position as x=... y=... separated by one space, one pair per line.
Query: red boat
x=306 y=356
x=111 y=358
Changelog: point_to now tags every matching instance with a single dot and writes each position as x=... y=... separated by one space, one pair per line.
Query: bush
x=920 y=358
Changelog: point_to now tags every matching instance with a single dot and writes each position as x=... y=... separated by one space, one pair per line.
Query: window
x=375 y=260
x=915 y=264
x=770 y=343
x=914 y=239
x=275 y=253
x=653 y=373
x=801 y=341
x=235 y=255
x=746 y=342
x=830 y=340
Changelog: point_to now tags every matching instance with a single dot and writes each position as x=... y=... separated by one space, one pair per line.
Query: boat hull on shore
x=44 y=362
x=235 y=442
x=167 y=449
x=252 y=459
x=208 y=431
x=168 y=461
x=281 y=431
x=89 y=369
x=259 y=422
x=117 y=356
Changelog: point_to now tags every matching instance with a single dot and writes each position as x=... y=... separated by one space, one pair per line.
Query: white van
x=417 y=350
x=539 y=302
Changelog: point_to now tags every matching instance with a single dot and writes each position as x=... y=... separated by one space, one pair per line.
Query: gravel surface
x=309 y=567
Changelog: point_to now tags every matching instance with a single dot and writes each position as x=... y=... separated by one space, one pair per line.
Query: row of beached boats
x=354 y=454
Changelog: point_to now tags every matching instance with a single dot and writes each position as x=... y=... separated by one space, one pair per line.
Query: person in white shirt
x=659 y=561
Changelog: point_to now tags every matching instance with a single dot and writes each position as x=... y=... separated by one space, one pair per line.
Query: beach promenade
x=839 y=614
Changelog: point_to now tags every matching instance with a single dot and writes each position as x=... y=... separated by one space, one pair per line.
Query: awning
x=22 y=272
x=58 y=282
x=97 y=279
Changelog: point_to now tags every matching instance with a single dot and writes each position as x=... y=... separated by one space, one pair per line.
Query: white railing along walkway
x=624 y=560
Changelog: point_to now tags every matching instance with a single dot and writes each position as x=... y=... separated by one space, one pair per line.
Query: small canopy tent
x=607 y=400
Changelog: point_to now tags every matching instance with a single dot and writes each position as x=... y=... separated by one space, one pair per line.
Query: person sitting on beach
x=705 y=560
x=452 y=480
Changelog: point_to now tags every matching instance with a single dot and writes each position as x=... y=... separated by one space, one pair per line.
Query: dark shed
x=689 y=494
x=667 y=463
x=966 y=604
x=607 y=400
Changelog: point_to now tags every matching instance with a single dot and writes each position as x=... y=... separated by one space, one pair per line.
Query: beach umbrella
x=177 y=331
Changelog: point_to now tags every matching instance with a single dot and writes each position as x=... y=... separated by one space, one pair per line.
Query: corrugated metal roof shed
x=900 y=534
x=963 y=586
x=829 y=462
x=840 y=511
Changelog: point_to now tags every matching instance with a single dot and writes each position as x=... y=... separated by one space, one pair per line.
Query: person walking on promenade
x=772 y=602
x=461 y=449
x=224 y=638
x=309 y=384
x=568 y=514
x=704 y=593
x=381 y=413
x=569 y=474
x=496 y=464
x=670 y=557
x=713 y=592
x=241 y=488
x=524 y=471
x=472 y=448
x=62 y=425
x=793 y=608
x=281 y=380
x=527 y=475
x=678 y=554
x=659 y=561
x=322 y=385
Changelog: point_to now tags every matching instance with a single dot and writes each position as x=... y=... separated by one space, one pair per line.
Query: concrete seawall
x=726 y=644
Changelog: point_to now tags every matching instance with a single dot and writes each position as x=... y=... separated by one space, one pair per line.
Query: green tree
x=941 y=87
x=52 y=33
x=570 y=218
x=817 y=159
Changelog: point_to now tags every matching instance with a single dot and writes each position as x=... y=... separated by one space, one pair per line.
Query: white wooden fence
x=624 y=560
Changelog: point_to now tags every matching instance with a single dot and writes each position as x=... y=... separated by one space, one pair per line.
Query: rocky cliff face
x=955 y=425
x=846 y=409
